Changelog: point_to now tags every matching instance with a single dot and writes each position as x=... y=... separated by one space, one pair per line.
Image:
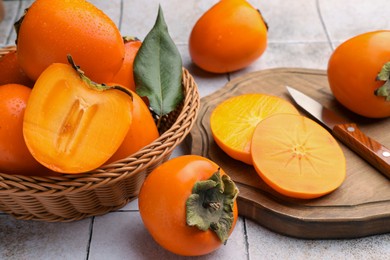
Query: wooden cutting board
x=360 y=207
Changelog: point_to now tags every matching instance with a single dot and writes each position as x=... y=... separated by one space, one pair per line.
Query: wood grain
x=360 y=207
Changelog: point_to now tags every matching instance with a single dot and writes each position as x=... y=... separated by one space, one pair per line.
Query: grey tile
x=347 y=18
x=111 y=8
x=122 y=235
x=13 y=11
x=40 y=240
x=292 y=21
x=265 y=244
x=178 y=17
x=314 y=55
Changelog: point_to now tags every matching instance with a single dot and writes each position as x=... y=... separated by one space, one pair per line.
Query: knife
x=348 y=133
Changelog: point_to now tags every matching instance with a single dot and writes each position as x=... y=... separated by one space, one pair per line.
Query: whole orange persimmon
x=11 y=72
x=353 y=71
x=142 y=131
x=52 y=29
x=125 y=76
x=188 y=205
x=15 y=158
x=228 y=37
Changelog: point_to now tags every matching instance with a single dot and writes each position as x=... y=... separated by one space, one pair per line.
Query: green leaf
x=158 y=69
x=384 y=75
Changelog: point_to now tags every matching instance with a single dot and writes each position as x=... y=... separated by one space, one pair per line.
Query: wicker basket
x=67 y=198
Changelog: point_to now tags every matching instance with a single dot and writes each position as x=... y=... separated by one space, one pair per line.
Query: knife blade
x=347 y=132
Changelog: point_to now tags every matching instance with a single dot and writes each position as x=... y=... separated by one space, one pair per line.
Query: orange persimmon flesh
x=233 y=121
x=70 y=127
x=297 y=157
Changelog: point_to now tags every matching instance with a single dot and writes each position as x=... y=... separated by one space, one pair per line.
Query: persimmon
x=125 y=76
x=72 y=125
x=11 y=72
x=353 y=72
x=15 y=158
x=297 y=157
x=188 y=205
x=229 y=36
x=142 y=131
x=52 y=29
x=233 y=121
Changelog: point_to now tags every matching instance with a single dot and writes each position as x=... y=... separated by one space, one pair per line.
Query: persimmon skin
x=52 y=29
x=68 y=126
x=125 y=75
x=142 y=131
x=11 y=72
x=162 y=200
x=297 y=157
x=228 y=37
x=15 y=158
x=352 y=71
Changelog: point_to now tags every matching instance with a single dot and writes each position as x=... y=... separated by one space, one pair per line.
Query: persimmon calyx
x=210 y=206
x=94 y=85
x=384 y=75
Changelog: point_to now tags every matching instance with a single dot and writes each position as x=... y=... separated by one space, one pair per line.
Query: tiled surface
x=303 y=34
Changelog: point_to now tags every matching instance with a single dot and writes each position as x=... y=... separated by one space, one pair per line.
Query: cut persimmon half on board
x=73 y=125
x=233 y=121
x=297 y=157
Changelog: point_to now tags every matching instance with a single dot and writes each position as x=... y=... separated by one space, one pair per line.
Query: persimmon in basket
x=73 y=125
x=15 y=158
x=11 y=72
x=142 y=131
x=52 y=29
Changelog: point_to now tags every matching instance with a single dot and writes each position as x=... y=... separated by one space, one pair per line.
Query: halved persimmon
x=233 y=121
x=297 y=157
x=72 y=125
x=142 y=131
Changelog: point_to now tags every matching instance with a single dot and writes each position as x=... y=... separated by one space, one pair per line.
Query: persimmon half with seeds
x=72 y=125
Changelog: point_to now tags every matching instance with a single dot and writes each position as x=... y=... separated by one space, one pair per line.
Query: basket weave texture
x=67 y=198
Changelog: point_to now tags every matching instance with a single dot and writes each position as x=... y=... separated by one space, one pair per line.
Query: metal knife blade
x=347 y=132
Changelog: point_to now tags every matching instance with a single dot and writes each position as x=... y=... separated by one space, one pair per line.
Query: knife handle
x=369 y=149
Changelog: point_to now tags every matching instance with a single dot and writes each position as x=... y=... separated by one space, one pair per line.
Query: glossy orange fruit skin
x=228 y=37
x=125 y=76
x=142 y=131
x=15 y=158
x=352 y=71
x=162 y=200
x=11 y=72
x=51 y=29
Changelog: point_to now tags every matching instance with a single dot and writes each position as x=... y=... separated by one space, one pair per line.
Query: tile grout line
x=90 y=237
x=120 y=16
x=246 y=239
x=323 y=24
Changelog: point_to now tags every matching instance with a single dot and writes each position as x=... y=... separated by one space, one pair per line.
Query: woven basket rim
x=111 y=173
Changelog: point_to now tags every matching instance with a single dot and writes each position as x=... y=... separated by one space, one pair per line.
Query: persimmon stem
x=210 y=206
x=94 y=85
x=384 y=75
